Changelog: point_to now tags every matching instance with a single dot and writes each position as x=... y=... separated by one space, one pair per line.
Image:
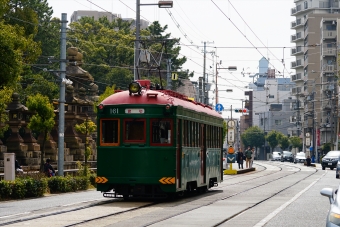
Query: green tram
x=157 y=143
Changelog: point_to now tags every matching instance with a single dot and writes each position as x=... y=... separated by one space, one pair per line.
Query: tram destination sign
x=134 y=111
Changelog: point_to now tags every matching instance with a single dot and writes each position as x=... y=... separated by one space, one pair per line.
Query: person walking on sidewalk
x=240 y=159
x=248 y=155
x=252 y=157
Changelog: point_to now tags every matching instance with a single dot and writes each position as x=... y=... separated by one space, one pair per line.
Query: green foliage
x=5 y=189
x=43 y=120
x=68 y=184
x=35 y=188
x=108 y=91
x=18 y=189
x=273 y=138
x=326 y=147
x=225 y=130
x=5 y=98
x=37 y=84
x=253 y=137
x=86 y=128
x=284 y=142
x=295 y=141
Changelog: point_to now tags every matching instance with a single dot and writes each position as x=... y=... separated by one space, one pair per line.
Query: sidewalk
x=239 y=171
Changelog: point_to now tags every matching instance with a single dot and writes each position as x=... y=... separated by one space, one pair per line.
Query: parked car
x=287 y=156
x=330 y=160
x=300 y=157
x=333 y=217
x=337 y=170
x=276 y=156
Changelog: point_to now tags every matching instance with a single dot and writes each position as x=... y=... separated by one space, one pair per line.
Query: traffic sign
x=174 y=76
x=231 y=158
x=219 y=107
x=231 y=150
x=231 y=136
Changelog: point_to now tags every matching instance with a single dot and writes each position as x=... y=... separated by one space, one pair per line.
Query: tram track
x=148 y=205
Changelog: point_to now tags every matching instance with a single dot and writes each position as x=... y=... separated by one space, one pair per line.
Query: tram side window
x=161 y=131
x=134 y=130
x=109 y=131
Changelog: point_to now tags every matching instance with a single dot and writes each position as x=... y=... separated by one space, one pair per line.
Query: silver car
x=333 y=218
x=276 y=156
x=300 y=157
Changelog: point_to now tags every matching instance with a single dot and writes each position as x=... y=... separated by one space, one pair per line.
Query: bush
x=92 y=178
x=35 y=188
x=59 y=184
x=18 y=189
x=5 y=189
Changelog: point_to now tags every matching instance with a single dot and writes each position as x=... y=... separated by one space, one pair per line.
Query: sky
x=237 y=33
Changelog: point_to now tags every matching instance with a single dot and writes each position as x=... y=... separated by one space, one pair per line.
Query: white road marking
x=283 y=206
x=14 y=215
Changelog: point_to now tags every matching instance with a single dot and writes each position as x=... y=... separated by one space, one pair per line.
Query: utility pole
x=168 y=71
x=135 y=70
x=62 y=95
x=204 y=59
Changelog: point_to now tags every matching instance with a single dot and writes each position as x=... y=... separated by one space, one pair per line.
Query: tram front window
x=161 y=131
x=134 y=130
x=109 y=131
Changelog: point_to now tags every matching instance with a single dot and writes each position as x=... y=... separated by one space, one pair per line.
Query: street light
x=230 y=68
x=161 y=4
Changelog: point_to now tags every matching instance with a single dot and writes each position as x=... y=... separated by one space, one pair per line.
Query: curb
x=240 y=171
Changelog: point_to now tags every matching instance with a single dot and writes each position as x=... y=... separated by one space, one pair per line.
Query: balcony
x=298 y=91
x=328 y=34
x=296 y=24
x=297 y=64
x=327 y=106
x=296 y=51
x=328 y=51
x=328 y=87
x=297 y=37
x=328 y=69
x=297 y=77
x=296 y=10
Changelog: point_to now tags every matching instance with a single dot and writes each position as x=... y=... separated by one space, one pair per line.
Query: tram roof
x=158 y=97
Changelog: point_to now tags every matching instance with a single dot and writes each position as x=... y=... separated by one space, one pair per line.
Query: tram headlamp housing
x=100 y=108
x=134 y=87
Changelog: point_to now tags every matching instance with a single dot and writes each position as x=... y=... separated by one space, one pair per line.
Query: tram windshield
x=134 y=130
x=109 y=133
x=161 y=131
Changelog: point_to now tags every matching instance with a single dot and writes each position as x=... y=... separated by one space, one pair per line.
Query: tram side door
x=203 y=154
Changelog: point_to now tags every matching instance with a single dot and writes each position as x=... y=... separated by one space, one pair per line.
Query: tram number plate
x=330 y=164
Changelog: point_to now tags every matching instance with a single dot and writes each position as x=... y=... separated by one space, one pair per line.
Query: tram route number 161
x=114 y=111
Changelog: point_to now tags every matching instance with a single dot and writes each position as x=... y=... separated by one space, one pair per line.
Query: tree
x=225 y=129
x=43 y=119
x=295 y=141
x=5 y=98
x=273 y=139
x=253 y=136
x=86 y=128
x=284 y=142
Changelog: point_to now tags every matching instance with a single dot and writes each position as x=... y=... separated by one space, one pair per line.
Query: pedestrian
x=18 y=168
x=252 y=157
x=240 y=158
x=308 y=161
x=248 y=155
x=48 y=169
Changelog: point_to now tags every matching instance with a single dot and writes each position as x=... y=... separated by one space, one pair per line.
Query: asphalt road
x=276 y=194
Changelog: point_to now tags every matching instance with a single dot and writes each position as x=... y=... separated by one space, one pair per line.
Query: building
x=76 y=15
x=315 y=63
x=269 y=104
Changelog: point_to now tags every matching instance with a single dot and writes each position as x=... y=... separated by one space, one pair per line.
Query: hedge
x=30 y=187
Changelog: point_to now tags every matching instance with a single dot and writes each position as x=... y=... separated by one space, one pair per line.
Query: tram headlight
x=134 y=87
x=100 y=107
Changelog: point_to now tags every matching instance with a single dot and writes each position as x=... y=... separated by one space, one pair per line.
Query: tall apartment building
x=76 y=15
x=315 y=63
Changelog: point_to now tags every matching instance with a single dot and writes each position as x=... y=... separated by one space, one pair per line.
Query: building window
x=278 y=122
x=271 y=96
x=305 y=4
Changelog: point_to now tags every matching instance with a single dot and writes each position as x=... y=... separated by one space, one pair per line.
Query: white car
x=300 y=157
